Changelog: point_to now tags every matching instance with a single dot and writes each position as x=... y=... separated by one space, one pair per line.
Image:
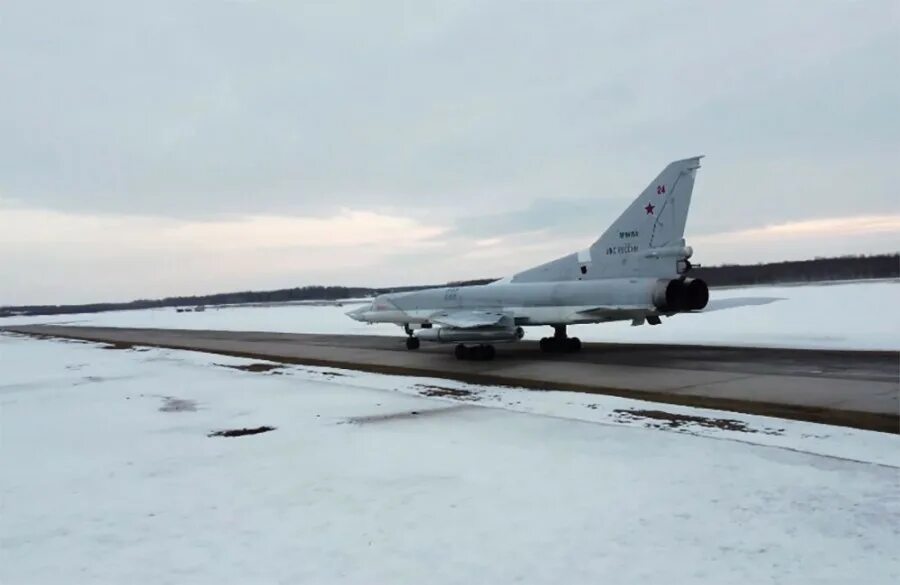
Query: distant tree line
x=304 y=293
x=819 y=269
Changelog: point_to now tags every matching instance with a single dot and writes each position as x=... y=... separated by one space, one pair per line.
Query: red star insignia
x=649 y=209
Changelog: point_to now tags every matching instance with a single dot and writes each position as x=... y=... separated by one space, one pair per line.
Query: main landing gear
x=475 y=352
x=560 y=343
x=412 y=342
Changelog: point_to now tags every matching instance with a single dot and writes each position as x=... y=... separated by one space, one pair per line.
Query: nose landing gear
x=560 y=343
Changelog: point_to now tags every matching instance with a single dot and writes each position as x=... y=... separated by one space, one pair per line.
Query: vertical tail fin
x=656 y=219
x=646 y=240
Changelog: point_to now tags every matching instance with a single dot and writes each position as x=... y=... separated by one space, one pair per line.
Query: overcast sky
x=178 y=147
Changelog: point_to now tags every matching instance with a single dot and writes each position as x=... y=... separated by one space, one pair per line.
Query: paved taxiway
x=859 y=389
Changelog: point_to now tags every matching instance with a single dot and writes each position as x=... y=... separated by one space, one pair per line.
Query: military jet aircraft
x=637 y=270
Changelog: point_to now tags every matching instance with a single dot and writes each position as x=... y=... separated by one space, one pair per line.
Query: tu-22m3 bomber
x=638 y=270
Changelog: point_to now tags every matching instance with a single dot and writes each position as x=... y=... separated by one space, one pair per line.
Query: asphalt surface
x=850 y=388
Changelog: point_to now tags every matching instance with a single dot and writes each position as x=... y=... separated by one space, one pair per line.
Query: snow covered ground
x=858 y=315
x=109 y=476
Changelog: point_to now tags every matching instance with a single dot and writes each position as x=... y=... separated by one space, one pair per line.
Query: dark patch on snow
x=255 y=367
x=172 y=404
x=327 y=374
x=405 y=415
x=662 y=419
x=444 y=392
x=98 y=379
x=241 y=432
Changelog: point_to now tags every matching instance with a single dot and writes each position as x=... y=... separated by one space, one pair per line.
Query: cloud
x=560 y=216
x=814 y=228
x=836 y=236
x=54 y=256
x=205 y=108
x=409 y=142
x=26 y=227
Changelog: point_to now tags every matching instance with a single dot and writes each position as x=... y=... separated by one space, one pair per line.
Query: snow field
x=105 y=481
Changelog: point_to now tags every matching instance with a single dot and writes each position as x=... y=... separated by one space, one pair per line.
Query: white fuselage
x=540 y=303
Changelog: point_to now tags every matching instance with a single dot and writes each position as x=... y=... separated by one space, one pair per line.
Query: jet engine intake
x=690 y=294
x=481 y=335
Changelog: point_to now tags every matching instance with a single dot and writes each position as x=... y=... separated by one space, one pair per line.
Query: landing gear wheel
x=554 y=344
x=558 y=344
x=477 y=352
x=412 y=342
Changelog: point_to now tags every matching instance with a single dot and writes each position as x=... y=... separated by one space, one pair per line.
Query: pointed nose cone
x=358 y=314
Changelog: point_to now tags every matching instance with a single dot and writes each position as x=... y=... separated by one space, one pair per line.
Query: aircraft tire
x=573 y=345
x=476 y=352
x=412 y=342
x=546 y=344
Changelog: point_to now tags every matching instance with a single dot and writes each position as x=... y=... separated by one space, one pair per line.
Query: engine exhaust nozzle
x=690 y=294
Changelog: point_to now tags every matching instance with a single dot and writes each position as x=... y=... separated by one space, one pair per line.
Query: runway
x=849 y=388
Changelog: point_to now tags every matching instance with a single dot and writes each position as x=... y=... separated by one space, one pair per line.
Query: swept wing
x=470 y=319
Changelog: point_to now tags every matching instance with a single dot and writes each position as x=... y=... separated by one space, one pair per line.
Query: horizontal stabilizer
x=722 y=304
